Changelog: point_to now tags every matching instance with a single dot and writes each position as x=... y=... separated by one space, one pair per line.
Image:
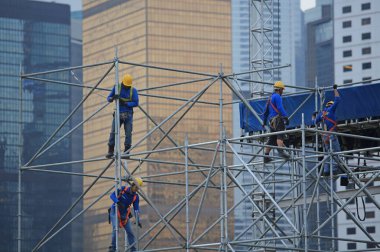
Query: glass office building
x=34 y=37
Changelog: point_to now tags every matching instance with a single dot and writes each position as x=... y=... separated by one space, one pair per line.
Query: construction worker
x=278 y=118
x=128 y=99
x=124 y=199
x=328 y=117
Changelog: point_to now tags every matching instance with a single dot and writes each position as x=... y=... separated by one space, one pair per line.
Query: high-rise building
x=319 y=44
x=287 y=44
x=357 y=57
x=34 y=37
x=191 y=35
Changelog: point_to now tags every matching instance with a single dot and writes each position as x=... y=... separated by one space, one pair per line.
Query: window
x=347 y=39
x=347 y=53
x=367 y=199
x=347 y=68
x=366 y=80
x=366 y=36
x=351 y=202
x=367 y=65
x=371 y=229
x=351 y=245
x=351 y=231
x=366 y=21
x=346 y=9
x=366 y=50
x=371 y=245
x=347 y=82
x=370 y=215
x=346 y=24
x=366 y=6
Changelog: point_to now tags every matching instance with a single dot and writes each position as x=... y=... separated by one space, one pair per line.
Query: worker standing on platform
x=124 y=199
x=128 y=98
x=328 y=117
x=278 y=118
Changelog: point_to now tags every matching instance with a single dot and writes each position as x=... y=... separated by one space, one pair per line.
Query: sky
x=77 y=4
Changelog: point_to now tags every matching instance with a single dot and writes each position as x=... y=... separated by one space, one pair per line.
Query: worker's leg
x=130 y=235
x=114 y=225
x=280 y=126
x=111 y=139
x=335 y=148
x=128 y=122
x=271 y=141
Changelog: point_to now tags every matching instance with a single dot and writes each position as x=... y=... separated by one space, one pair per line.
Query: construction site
x=194 y=184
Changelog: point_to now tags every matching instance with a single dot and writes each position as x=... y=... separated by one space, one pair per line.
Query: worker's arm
x=111 y=95
x=136 y=208
x=336 y=99
x=113 y=196
x=316 y=118
x=135 y=99
x=278 y=104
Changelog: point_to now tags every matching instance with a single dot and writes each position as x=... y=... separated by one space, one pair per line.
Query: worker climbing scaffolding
x=123 y=200
x=128 y=99
x=278 y=118
x=328 y=118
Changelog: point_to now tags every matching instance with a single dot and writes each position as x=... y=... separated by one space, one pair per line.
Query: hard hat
x=139 y=181
x=279 y=84
x=127 y=80
x=328 y=104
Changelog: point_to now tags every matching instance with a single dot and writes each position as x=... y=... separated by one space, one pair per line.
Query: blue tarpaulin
x=357 y=102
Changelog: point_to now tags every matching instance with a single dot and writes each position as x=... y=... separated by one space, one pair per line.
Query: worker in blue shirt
x=328 y=118
x=278 y=118
x=124 y=199
x=128 y=99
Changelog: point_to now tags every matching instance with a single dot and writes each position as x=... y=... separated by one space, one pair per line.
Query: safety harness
x=130 y=94
x=121 y=222
x=326 y=137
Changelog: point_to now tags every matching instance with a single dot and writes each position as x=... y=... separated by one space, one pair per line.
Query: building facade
x=357 y=58
x=194 y=36
x=34 y=36
x=319 y=44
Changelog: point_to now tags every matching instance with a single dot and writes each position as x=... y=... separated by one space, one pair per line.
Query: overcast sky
x=77 y=4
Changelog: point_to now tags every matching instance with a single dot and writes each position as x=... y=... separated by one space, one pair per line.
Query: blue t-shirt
x=329 y=112
x=270 y=112
x=125 y=200
x=125 y=93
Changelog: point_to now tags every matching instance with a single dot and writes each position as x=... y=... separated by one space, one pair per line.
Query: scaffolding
x=306 y=188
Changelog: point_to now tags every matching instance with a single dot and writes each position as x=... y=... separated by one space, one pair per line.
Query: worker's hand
x=109 y=99
x=116 y=97
x=335 y=86
x=286 y=120
x=314 y=115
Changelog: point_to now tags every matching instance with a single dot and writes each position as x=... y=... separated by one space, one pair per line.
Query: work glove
x=286 y=120
x=335 y=86
x=109 y=99
x=116 y=97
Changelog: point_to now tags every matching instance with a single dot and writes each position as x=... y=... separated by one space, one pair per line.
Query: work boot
x=267 y=159
x=110 y=151
x=283 y=154
x=126 y=151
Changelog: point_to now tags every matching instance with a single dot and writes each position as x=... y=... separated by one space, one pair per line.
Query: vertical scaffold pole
x=187 y=193
x=305 y=226
x=317 y=171
x=117 y=144
x=19 y=189
x=332 y=195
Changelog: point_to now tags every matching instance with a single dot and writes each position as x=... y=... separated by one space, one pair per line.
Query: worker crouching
x=124 y=199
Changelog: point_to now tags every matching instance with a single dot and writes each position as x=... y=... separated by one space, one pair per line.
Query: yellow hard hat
x=279 y=84
x=127 y=80
x=328 y=104
x=139 y=181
